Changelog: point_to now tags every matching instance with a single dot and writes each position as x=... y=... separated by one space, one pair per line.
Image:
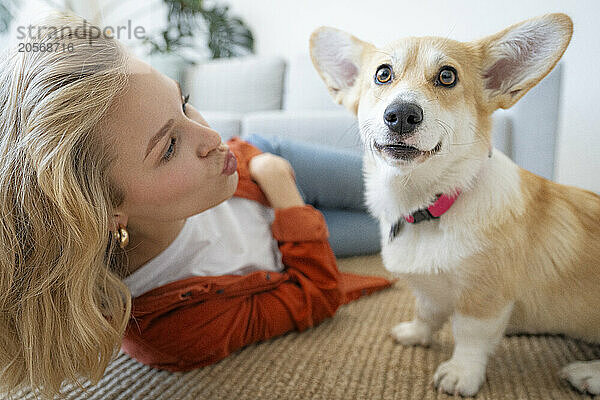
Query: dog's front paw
x=412 y=333
x=584 y=376
x=459 y=377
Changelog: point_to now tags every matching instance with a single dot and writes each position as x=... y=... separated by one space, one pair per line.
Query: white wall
x=282 y=27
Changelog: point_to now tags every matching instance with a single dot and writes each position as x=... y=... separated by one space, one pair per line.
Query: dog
x=478 y=239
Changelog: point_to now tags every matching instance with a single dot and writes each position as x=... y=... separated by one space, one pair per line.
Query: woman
x=113 y=187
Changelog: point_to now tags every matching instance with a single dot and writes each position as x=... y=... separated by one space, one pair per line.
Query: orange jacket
x=200 y=320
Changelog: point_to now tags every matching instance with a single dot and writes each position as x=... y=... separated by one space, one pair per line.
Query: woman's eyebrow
x=162 y=131
x=159 y=135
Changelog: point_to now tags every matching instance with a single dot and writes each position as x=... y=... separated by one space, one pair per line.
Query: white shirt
x=233 y=238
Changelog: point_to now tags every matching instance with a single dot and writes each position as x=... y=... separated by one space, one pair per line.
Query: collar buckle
x=421 y=215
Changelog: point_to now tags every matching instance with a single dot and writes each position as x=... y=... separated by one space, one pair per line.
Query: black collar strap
x=418 y=216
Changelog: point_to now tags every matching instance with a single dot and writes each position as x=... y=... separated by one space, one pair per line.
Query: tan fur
x=522 y=252
x=564 y=236
x=545 y=260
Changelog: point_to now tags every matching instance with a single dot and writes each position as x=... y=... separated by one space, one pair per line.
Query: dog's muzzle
x=403 y=118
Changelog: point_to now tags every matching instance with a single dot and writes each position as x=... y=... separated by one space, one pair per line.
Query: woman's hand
x=275 y=176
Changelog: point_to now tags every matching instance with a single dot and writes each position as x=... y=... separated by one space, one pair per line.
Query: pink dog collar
x=442 y=204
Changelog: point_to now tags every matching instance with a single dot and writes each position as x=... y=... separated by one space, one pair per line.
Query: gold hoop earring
x=122 y=237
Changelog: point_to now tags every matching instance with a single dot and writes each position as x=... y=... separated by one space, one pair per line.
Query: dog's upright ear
x=517 y=58
x=338 y=56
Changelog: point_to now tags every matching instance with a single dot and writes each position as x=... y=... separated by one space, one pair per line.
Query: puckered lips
x=401 y=151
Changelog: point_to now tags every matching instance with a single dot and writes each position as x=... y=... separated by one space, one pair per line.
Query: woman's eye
x=383 y=74
x=169 y=153
x=447 y=77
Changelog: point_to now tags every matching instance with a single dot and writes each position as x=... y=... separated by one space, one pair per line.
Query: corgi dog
x=478 y=239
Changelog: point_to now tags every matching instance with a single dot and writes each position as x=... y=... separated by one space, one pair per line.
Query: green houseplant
x=225 y=35
x=191 y=23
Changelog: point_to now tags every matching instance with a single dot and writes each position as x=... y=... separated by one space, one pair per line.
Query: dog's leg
x=583 y=375
x=430 y=315
x=474 y=340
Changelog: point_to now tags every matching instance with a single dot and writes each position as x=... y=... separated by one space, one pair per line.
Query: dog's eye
x=447 y=77
x=384 y=74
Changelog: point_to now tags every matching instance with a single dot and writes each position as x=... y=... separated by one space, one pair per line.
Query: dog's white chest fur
x=440 y=245
x=425 y=248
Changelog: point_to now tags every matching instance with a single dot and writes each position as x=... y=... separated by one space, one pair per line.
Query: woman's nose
x=209 y=141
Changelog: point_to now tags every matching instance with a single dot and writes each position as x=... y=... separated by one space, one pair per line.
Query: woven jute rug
x=350 y=356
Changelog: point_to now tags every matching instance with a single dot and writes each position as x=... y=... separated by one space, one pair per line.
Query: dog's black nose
x=403 y=117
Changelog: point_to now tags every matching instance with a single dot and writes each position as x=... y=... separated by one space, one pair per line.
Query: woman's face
x=169 y=161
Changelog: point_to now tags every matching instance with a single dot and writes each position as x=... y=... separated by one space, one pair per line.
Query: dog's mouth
x=400 y=151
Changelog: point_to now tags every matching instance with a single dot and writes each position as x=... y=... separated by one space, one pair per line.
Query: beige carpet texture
x=350 y=356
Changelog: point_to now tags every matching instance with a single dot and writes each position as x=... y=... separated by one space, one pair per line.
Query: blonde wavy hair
x=63 y=306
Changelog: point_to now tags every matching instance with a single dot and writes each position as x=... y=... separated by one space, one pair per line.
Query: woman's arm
x=275 y=176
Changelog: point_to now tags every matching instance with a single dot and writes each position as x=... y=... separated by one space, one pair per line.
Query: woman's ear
x=338 y=57
x=517 y=58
